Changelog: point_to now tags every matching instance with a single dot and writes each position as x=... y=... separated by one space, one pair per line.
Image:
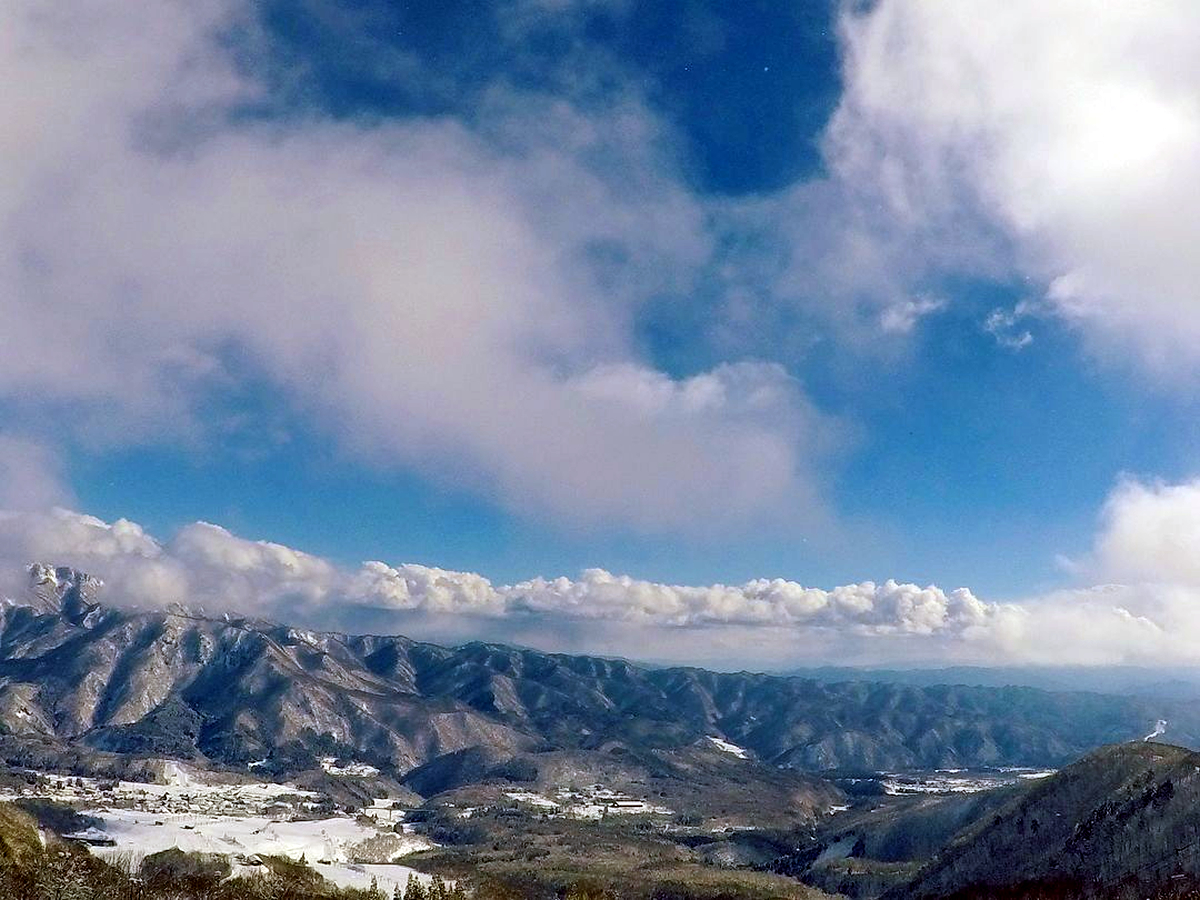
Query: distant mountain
x=1179 y=682
x=1123 y=821
x=76 y=673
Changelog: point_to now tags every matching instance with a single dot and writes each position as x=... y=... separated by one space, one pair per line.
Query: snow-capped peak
x=60 y=590
x=62 y=577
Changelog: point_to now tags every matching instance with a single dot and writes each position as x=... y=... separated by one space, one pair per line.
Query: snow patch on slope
x=1160 y=728
x=726 y=747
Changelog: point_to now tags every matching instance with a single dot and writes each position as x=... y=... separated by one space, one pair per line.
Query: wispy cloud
x=31 y=475
x=902 y=317
x=1004 y=325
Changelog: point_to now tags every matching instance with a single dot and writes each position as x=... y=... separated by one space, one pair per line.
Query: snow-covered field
x=331 y=846
x=595 y=802
x=387 y=877
x=198 y=812
x=337 y=839
x=532 y=799
x=360 y=769
x=957 y=781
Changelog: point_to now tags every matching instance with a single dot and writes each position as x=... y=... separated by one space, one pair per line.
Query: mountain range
x=81 y=674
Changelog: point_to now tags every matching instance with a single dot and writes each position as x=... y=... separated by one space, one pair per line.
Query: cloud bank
x=763 y=623
x=206 y=565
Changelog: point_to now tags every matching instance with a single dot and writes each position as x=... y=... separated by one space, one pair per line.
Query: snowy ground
x=196 y=811
x=387 y=877
x=532 y=799
x=727 y=747
x=360 y=769
x=331 y=846
x=594 y=802
x=185 y=791
x=957 y=781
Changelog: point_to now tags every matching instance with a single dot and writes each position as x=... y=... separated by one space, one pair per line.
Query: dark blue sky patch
x=747 y=87
x=750 y=84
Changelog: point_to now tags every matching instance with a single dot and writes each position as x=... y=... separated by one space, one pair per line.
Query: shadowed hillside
x=1123 y=821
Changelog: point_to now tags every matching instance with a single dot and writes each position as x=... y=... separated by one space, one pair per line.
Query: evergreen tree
x=414 y=890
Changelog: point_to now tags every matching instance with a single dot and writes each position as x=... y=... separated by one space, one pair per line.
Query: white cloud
x=1149 y=532
x=763 y=623
x=1146 y=607
x=205 y=566
x=1003 y=325
x=415 y=587
x=902 y=317
x=439 y=297
x=866 y=608
x=30 y=475
x=1115 y=624
x=1070 y=129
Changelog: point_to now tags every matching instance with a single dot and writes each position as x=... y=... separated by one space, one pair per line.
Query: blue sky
x=694 y=291
x=965 y=451
x=977 y=471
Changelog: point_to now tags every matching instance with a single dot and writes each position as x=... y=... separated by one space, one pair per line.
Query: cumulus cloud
x=1062 y=134
x=205 y=566
x=1141 y=599
x=455 y=298
x=1149 y=532
x=763 y=623
x=868 y=608
x=1153 y=619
